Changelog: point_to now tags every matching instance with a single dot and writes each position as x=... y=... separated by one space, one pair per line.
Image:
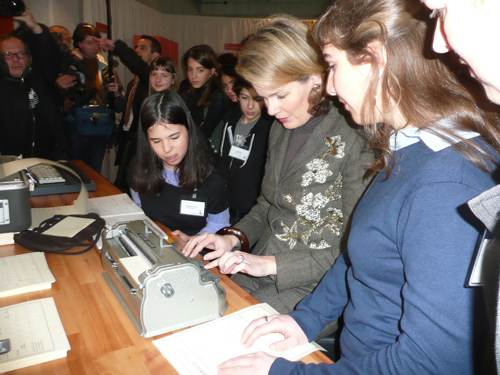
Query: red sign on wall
x=6 y=25
x=233 y=47
x=103 y=28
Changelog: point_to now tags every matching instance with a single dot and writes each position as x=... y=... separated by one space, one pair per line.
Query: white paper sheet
x=69 y=226
x=135 y=266
x=36 y=334
x=199 y=350
x=24 y=273
x=116 y=209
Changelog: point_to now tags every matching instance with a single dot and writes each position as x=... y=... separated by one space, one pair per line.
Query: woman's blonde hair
x=421 y=86
x=281 y=51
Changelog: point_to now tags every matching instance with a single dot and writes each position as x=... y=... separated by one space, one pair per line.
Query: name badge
x=193 y=208
x=239 y=153
x=475 y=275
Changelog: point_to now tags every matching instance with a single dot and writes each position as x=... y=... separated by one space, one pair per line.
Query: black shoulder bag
x=35 y=240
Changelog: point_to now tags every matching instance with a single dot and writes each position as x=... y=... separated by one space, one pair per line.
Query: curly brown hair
x=410 y=78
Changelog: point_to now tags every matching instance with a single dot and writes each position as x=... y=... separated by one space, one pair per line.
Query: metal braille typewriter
x=160 y=289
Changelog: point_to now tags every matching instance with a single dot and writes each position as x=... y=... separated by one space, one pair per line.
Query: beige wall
x=66 y=13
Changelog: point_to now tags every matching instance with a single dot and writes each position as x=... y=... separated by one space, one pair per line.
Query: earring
x=316 y=87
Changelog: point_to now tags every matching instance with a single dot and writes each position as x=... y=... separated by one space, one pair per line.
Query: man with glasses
x=15 y=56
x=30 y=124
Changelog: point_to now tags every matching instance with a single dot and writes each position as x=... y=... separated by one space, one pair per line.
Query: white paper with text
x=200 y=349
x=115 y=209
x=36 y=334
x=24 y=273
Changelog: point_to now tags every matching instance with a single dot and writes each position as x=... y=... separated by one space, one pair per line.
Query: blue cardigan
x=400 y=285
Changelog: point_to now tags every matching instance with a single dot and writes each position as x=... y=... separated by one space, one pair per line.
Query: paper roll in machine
x=160 y=289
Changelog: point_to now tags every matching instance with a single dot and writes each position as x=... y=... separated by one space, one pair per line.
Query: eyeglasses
x=10 y=55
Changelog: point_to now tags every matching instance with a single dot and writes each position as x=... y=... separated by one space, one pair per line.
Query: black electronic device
x=11 y=8
x=15 y=209
x=70 y=185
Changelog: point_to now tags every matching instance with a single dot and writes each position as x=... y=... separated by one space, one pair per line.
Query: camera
x=11 y=8
x=71 y=64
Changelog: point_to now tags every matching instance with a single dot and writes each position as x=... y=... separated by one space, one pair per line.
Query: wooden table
x=102 y=338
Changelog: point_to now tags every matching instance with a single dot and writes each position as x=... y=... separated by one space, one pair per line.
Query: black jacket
x=139 y=67
x=22 y=122
x=244 y=179
x=208 y=119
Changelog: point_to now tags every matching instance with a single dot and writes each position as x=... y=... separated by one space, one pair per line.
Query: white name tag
x=239 y=153
x=194 y=208
x=476 y=272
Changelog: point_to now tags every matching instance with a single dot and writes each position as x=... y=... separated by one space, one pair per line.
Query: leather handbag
x=36 y=240
x=93 y=121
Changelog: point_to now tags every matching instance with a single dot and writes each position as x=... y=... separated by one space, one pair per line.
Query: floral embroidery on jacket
x=310 y=211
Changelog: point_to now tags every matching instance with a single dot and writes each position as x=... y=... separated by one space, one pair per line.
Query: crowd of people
x=356 y=162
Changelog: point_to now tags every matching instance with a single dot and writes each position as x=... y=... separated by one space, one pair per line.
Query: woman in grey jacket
x=313 y=180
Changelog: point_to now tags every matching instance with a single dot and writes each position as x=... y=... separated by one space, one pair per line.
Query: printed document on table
x=36 y=334
x=116 y=209
x=199 y=350
x=24 y=273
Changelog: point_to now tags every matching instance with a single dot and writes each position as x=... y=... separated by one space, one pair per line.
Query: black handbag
x=35 y=240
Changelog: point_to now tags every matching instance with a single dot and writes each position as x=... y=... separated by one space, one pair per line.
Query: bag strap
x=38 y=215
x=46 y=224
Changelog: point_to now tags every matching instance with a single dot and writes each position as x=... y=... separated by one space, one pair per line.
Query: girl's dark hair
x=204 y=55
x=229 y=70
x=163 y=109
x=241 y=84
x=423 y=90
x=227 y=58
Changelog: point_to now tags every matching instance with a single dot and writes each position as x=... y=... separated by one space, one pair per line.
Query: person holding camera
x=138 y=60
x=62 y=35
x=91 y=122
x=30 y=124
x=68 y=79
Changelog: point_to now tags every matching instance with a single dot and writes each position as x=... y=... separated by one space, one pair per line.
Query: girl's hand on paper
x=260 y=362
x=250 y=364
x=284 y=324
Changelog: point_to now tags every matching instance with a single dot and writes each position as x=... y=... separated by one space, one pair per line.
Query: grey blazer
x=302 y=216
